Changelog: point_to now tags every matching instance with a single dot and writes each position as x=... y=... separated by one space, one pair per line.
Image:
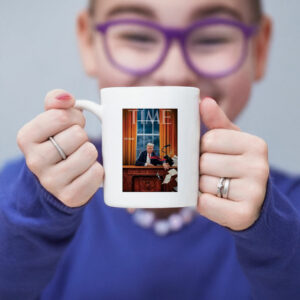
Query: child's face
x=231 y=92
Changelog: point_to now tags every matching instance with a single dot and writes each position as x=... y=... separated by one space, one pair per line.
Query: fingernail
x=64 y=96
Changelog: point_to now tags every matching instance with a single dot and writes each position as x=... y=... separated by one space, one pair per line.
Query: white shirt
x=148 y=161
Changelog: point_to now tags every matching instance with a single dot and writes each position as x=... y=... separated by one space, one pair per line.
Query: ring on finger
x=220 y=187
x=225 y=190
x=58 y=148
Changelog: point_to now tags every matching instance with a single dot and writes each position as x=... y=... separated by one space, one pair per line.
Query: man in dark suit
x=149 y=158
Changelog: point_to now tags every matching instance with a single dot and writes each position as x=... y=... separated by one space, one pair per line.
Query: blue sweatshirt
x=51 y=251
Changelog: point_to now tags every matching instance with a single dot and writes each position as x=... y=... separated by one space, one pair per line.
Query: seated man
x=148 y=158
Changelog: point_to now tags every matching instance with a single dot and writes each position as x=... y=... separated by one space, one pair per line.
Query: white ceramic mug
x=166 y=116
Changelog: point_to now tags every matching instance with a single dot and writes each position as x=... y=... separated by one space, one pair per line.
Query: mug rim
x=151 y=87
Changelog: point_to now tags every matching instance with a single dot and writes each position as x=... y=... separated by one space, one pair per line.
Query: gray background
x=38 y=53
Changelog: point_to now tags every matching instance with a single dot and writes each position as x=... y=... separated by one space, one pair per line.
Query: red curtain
x=168 y=131
x=129 y=136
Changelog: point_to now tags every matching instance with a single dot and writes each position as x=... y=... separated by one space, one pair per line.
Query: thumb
x=59 y=99
x=213 y=116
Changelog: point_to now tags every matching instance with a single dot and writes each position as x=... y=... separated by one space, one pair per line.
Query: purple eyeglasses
x=212 y=47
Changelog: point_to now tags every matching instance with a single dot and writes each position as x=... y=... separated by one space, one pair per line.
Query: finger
x=75 y=165
x=218 y=210
x=226 y=141
x=50 y=123
x=69 y=140
x=77 y=192
x=235 y=215
x=59 y=99
x=240 y=190
x=237 y=188
x=221 y=165
x=213 y=116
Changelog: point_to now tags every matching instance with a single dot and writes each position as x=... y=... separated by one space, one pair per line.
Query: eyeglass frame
x=179 y=34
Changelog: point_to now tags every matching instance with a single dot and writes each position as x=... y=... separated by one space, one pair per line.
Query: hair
x=256 y=7
x=91 y=7
x=257 y=10
x=150 y=144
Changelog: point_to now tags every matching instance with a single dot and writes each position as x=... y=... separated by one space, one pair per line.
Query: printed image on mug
x=150 y=159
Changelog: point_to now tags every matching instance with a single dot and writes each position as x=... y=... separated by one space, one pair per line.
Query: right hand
x=75 y=180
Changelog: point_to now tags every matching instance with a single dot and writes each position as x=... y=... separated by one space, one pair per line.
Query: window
x=147 y=130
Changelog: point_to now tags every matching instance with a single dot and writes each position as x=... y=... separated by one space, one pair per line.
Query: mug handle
x=90 y=106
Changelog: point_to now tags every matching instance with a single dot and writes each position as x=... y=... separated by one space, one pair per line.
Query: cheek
x=235 y=90
x=107 y=74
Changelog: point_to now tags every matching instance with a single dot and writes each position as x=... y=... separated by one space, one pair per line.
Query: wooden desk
x=145 y=179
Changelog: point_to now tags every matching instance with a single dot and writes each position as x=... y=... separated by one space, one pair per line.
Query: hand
x=150 y=165
x=242 y=157
x=74 y=180
x=166 y=166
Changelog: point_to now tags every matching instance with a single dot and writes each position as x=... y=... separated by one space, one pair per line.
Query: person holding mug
x=146 y=158
x=58 y=240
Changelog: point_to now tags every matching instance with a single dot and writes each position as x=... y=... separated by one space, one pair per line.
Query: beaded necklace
x=163 y=227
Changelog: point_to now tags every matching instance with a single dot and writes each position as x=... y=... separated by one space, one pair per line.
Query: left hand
x=241 y=157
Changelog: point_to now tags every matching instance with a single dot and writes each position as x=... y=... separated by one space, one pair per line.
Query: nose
x=174 y=70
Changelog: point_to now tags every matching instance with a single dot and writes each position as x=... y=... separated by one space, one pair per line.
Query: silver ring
x=58 y=148
x=225 y=191
x=220 y=187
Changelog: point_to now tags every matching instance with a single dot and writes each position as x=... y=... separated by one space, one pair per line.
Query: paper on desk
x=167 y=179
x=172 y=172
x=175 y=159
